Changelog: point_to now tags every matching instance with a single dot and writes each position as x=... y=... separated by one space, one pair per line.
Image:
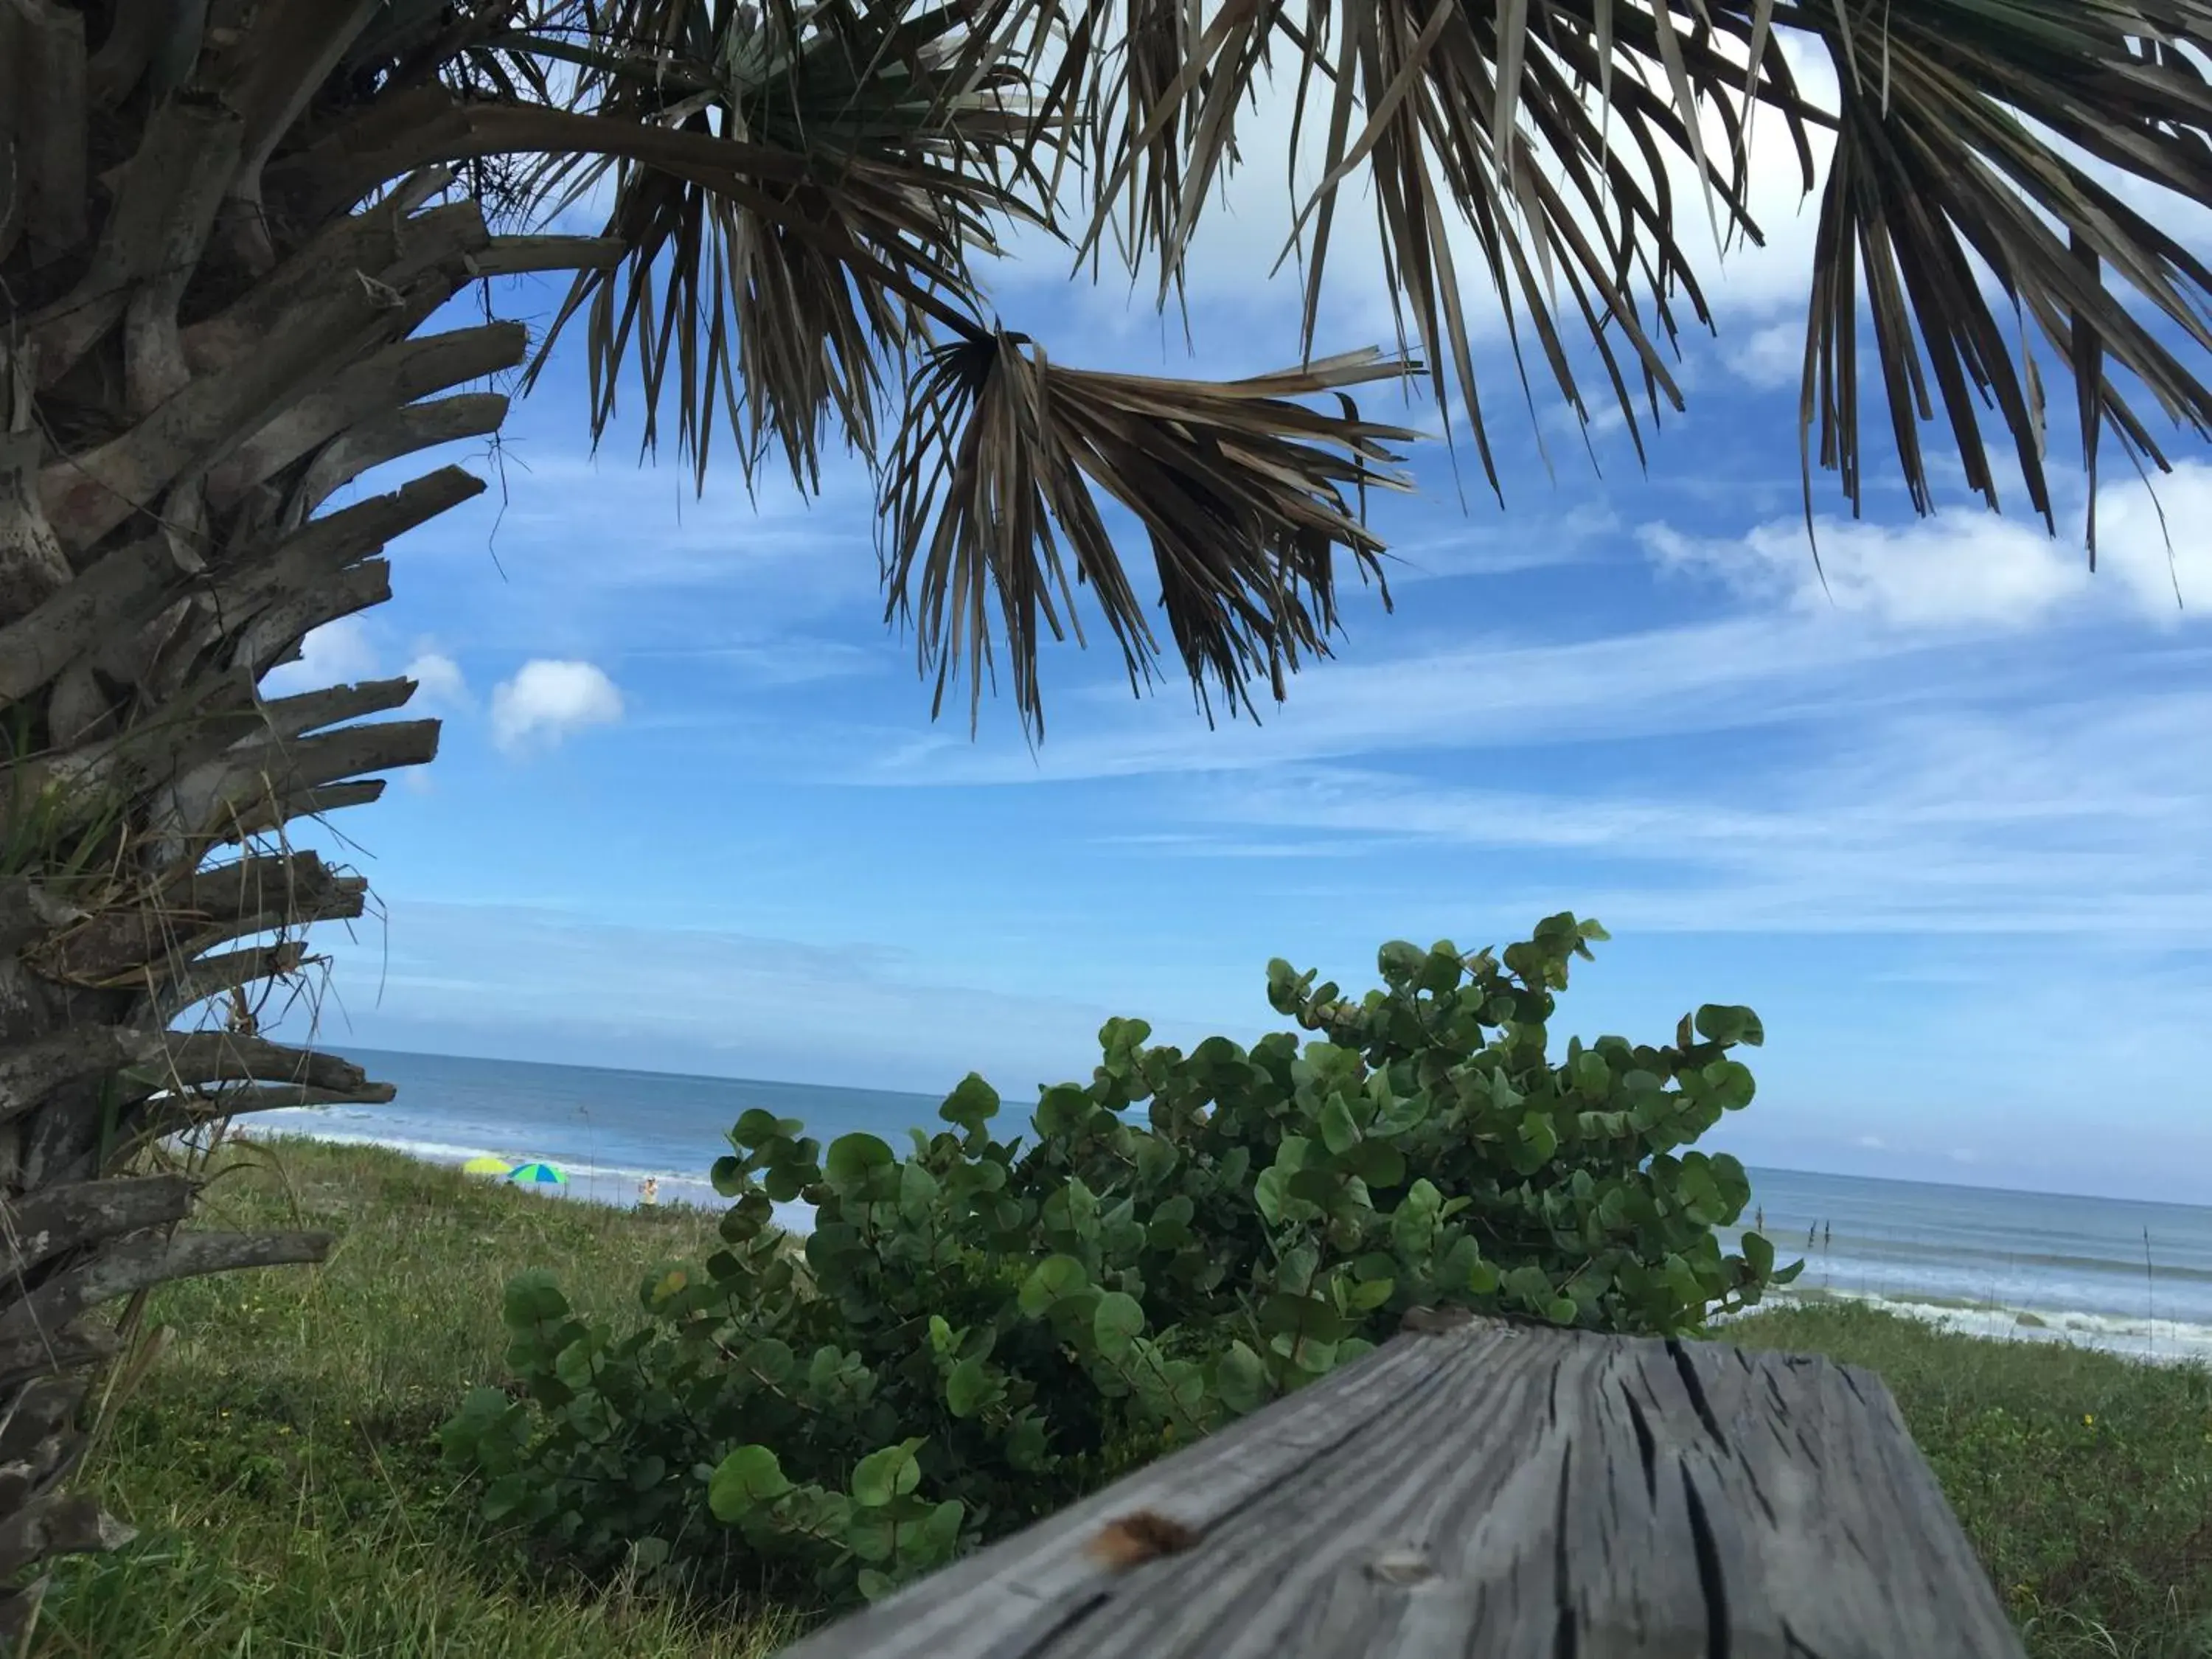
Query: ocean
x=2130 y=1276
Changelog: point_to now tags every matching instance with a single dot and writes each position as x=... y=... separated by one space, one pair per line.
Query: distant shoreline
x=2155 y=1340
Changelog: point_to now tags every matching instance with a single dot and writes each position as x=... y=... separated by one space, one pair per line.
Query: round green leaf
x=749 y=1476
x=1055 y=1277
x=1062 y=1109
x=1399 y=962
x=940 y=1528
x=1337 y=1131
x=851 y=1158
x=885 y=1475
x=967 y=1389
x=1593 y=1078
x=971 y=1104
x=1377 y=1162
x=1271 y=1192
x=918 y=1192
x=1369 y=1294
x=755 y=1126
x=1115 y=1322
x=1240 y=1379
x=771 y=1360
x=1728 y=1023
x=533 y=1297
x=1729 y=1085
x=784 y=1182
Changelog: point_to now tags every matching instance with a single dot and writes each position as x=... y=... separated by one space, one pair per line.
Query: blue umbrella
x=537 y=1175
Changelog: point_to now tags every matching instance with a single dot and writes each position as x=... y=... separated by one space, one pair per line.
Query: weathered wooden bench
x=1491 y=1490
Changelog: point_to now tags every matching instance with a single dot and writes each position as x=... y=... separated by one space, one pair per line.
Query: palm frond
x=801 y=190
x=1543 y=127
x=1244 y=492
x=1942 y=171
x=778 y=295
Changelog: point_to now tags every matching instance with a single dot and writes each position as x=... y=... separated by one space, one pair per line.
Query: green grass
x=2084 y=1479
x=278 y=1459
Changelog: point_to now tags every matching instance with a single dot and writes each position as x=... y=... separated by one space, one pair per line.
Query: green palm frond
x=1244 y=493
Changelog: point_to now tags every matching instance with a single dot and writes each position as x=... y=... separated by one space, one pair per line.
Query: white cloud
x=1972 y=568
x=1872 y=1143
x=547 y=700
x=1953 y=569
x=2167 y=562
x=440 y=679
x=1770 y=356
x=338 y=652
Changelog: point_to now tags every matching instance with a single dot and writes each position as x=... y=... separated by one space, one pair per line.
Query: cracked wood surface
x=1480 y=1489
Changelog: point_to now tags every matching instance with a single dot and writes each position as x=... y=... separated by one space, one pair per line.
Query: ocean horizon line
x=936 y=1097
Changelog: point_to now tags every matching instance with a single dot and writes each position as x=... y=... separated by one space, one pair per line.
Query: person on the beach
x=648 y=1190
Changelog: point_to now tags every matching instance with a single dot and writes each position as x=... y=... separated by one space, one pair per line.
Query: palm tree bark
x=184 y=380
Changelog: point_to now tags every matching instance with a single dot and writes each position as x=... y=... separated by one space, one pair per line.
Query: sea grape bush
x=981 y=1329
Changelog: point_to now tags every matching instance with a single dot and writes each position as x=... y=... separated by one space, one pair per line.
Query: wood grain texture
x=1494 y=1491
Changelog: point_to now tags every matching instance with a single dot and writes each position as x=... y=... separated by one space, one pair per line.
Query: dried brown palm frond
x=1543 y=134
x=1244 y=493
x=778 y=293
x=1541 y=127
x=1944 y=182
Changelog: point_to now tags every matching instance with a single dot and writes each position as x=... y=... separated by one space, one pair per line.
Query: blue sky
x=1945 y=825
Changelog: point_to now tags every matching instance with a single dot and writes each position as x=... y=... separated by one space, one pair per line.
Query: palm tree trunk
x=186 y=377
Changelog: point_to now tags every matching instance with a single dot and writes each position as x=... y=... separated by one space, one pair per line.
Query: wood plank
x=1492 y=1492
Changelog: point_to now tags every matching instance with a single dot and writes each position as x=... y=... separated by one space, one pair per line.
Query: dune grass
x=278 y=1461
x=279 y=1465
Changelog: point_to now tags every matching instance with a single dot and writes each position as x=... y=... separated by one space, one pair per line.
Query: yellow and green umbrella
x=537 y=1175
x=496 y=1168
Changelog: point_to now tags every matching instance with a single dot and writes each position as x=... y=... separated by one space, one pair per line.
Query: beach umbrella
x=496 y=1168
x=537 y=1175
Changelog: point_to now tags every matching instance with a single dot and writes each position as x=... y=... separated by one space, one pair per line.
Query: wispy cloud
x=2086 y=817
x=1970 y=569
x=1529 y=539
x=473 y=978
x=1491 y=694
x=802 y=659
